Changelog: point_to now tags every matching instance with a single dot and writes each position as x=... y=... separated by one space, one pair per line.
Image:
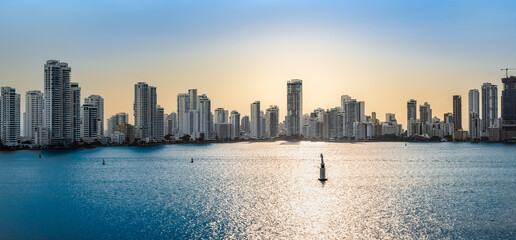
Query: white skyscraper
x=411 y=110
x=183 y=105
x=474 y=114
x=57 y=114
x=76 y=111
x=205 y=117
x=9 y=116
x=33 y=116
x=90 y=122
x=97 y=101
x=272 y=122
x=145 y=102
x=220 y=116
x=255 y=120
x=350 y=110
x=489 y=107
x=171 y=123
x=235 y=124
x=294 y=107
x=160 y=126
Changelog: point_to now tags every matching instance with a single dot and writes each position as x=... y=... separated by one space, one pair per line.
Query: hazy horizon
x=383 y=53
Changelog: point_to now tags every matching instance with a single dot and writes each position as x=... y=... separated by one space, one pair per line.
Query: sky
x=238 y=52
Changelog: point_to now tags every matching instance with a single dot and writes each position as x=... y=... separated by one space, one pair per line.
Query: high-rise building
x=145 y=103
x=183 y=105
x=425 y=113
x=255 y=120
x=171 y=123
x=457 y=112
x=192 y=93
x=262 y=124
x=220 y=116
x=90 y=122
x=235 y=124
x=351 y=108
x=205 y=118
x=9 y=116
x=272 y=121
x=294 y=107
x=57 y=114
x=160 y=126
x=361 y=117
x=509 y=109
x=245 y=125
x=474 y=114
x=411 y=110
x=33 y=116
x=489 y=107
x=98 y=101
x=76 y=111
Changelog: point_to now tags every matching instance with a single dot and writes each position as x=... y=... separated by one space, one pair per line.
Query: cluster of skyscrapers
x=56 y=117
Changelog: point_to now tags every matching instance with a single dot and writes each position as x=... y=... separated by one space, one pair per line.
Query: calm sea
x=261 y=191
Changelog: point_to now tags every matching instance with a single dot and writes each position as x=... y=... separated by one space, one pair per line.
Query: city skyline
x=383 y=53
x=368 y=112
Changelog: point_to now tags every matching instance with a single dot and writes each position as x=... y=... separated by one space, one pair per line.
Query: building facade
x=57 y=114
x=9 y=116
x=33 y=116
x=294 y=107
x=457 y=112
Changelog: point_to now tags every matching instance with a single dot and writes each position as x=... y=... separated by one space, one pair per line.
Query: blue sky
x=372 y=50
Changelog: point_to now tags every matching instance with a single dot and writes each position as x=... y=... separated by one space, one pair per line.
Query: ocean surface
x=261 y=191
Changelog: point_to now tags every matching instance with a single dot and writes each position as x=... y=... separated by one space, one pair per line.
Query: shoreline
x=81 y=147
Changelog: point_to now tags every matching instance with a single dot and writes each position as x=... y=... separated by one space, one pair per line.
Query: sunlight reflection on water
x=262 y=190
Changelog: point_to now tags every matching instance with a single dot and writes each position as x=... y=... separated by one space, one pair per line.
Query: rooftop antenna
x=506 y=71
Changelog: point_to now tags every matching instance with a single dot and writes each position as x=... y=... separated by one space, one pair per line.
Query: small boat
x=39 y=155
x=103 y=162
x=192 y=160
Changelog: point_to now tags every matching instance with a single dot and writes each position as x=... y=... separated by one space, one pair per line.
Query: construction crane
x=506 y=71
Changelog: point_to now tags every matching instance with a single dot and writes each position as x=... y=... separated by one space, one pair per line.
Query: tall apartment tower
x=9 y=116
x=160 y=123
x=509 y=108
x=350 y=110
x=33 y=116
x=234 y=119
x=474 y=114
x=220 y=116
x=205 y=117
x=457 y=112
x=145 y=103
x=411 y=110
x=76 y=111
x=425 y=113
x=57 y=114
x=272 y=122
x=489 y=106
x=97 y=101
x=171 y=124
x=245 y=125
x=294 y=107
x=255 y=120
x=193 y=99
x=183 y=106
x=90 y=122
